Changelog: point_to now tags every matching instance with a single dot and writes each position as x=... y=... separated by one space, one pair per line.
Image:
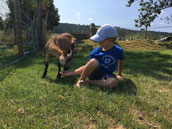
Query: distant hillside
x=72 y=28
x=122 y=32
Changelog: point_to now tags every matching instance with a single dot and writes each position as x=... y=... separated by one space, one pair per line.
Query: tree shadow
x=30 y=59
x=149 y=64
x=5 y=72
x=15 y=62
x=6 y=58
x=168 y=45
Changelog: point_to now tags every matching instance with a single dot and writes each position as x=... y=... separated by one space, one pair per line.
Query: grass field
x=142 y=101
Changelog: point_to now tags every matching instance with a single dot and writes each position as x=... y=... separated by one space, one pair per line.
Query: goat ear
x=64 y=53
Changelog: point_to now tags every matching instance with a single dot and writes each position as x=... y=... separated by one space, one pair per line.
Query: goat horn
x=71 y=51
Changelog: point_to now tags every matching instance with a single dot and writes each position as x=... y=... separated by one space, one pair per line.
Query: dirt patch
x=141 y=119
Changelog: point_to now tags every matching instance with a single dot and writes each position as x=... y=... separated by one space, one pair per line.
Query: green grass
x=141 y=101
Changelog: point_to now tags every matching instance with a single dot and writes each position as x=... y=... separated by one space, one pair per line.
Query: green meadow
x=143 y=100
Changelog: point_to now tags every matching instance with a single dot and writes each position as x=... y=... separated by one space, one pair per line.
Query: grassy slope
x=141 y=101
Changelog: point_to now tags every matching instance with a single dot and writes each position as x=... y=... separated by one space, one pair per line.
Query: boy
x=102 y=61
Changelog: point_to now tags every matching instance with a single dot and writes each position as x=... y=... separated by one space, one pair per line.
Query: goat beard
x=62 y=60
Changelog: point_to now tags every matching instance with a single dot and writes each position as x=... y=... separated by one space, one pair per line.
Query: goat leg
x=59 y=69
x=45 y=71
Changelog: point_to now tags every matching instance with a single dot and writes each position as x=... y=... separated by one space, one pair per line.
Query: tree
x=93 y=29
x=53 y=16
x=9 y=21
x=47 y=14
x=149 y=10
x=30 y=8
x=8 y=24
x=156 y=5
x=1 y=23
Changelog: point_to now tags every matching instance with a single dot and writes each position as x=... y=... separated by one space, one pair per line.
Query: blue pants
x=97 y=75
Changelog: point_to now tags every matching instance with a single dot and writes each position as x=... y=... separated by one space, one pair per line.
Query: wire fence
x=29 y=29
x=29 y=33
x=8 y=43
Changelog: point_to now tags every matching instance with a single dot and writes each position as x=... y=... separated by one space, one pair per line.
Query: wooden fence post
x=18 y=27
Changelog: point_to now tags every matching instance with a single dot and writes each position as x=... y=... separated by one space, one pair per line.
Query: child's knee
x=112 y=83
x=93 y=62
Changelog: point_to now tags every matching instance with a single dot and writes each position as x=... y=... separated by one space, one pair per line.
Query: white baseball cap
x=104 y=32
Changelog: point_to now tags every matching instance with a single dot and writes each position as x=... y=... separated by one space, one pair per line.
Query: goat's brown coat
x=59 y=44
x=62 y=47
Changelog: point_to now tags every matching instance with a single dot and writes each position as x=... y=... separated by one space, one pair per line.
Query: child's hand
x=121 y=77
x=65 y=73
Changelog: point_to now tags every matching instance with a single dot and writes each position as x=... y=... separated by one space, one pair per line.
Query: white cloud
x=78 y=14
x=162 y=11
x=90 y=19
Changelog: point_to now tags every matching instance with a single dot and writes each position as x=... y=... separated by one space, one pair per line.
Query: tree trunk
x=18 y=27
x=39 y=24
x=44 y=26
x=146 y=30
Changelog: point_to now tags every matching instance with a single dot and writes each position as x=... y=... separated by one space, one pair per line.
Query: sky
x=101 y=12
x=3 y=8
x=112 y=12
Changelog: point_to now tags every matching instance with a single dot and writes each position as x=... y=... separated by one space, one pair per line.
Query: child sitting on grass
x=102 y=61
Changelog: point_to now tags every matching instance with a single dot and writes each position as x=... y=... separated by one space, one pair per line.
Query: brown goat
x=62 y=47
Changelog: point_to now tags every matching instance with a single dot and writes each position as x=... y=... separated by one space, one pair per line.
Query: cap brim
x=97 y=38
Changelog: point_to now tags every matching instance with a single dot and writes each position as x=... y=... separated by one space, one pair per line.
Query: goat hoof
x=59 y=76
x=43 y=77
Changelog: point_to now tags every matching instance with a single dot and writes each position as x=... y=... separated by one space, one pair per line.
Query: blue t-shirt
x=108 y=60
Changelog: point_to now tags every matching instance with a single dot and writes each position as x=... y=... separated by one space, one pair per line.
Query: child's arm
x=71 y=73
x=120 y=69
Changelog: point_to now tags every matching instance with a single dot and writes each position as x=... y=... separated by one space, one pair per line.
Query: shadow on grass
x=168 y=45
x=10 y=63
x=4 y=72
x=125 y=86
x=6 y=58
x=149 y=64
x=70 y=81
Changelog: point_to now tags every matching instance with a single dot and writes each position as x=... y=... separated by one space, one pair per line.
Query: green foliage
x=93 y=29
x=30 y=8
x=1 y=23
x=149 y=10
x=9 y=21
x=152 y=8
x=53 y=16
